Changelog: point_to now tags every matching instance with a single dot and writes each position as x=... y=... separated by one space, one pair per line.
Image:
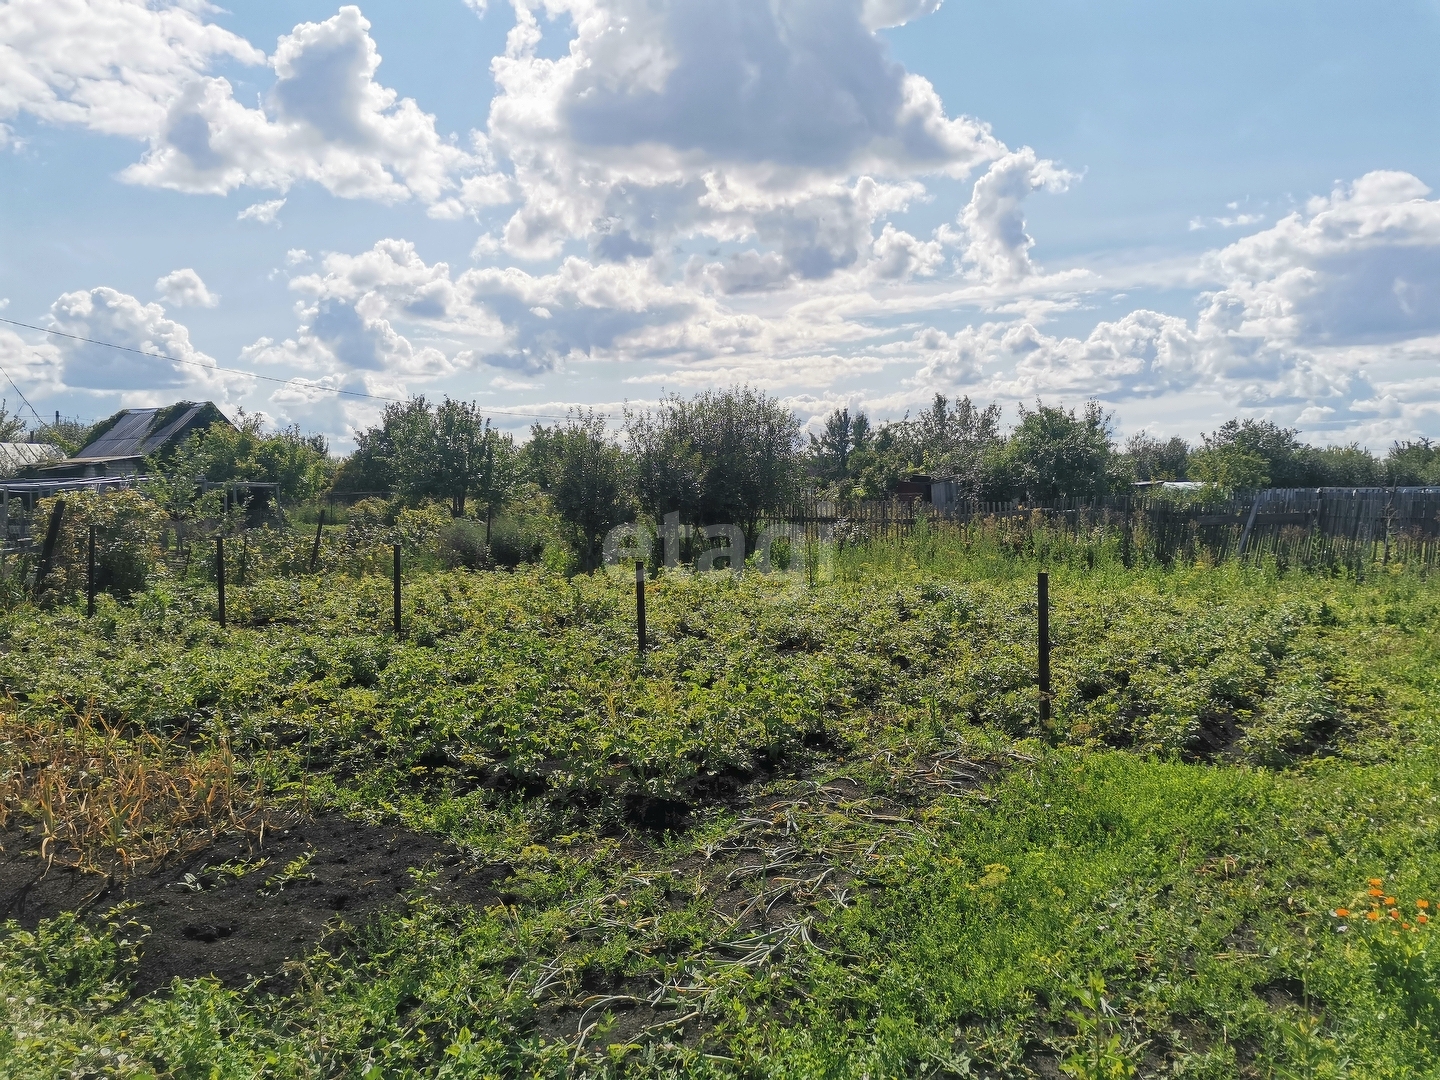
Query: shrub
x=372 y=511
x=420 y=529
x=462 y=543
x=127 y=541
x=512 y=543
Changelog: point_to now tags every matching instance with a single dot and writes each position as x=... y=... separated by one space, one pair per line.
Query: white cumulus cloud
x=142 y=70
x=265 y=213
x=1331 y=315
x=785 y=126
x=184 y=288
x=112 y=66
x=106 y=314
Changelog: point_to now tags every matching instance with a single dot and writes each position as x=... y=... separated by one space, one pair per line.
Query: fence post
x=4 y=528
x=220 y=577
x=640 y=606
x=90 y=576
x=1249 y=524
x=47 y=553
x=397 y=590
x=1042 y=585
x=315 y=551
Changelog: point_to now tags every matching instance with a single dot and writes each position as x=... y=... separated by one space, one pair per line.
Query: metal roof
x=16 y=455
x=132 y=436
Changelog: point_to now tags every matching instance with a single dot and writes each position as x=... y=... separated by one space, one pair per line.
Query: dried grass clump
x=98 y=798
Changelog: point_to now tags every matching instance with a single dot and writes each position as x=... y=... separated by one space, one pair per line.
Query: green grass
x=1144 y=887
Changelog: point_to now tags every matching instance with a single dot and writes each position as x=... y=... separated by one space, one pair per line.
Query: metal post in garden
x=90 y=576
x=1042 y=583
x=640 y=606
x=220 y=576
x=315 y=551
x=397 y=590
x=47 y=553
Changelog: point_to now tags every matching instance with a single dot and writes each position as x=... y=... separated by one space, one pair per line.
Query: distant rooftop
x=139 y=432
x=14 y=456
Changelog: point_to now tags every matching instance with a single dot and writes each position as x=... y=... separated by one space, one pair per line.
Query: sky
x=1186 y=212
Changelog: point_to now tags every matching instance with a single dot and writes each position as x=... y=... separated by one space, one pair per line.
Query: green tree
x=1342 y=466
x=588 y=481
x=449 y=452
x=455 y=453
x=723 y=456
x=831 y=452
x=388 y=456
x=1413 y=463
x=1054 y=453
x=1230 y=447
x=1151 y=458
x=959 y=442
x=1231 y=467
x=1288 y=463
x=175 y=478
x=67 y=433
x=300 y=464
x=497 y=475
x=12 y=428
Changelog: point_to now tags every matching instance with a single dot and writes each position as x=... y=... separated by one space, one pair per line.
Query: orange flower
x=1422 y=904
x=1376 y=892
x=1341 y=912
x=1376 y=881
x=1422 y=919
x=1389 y=901
x=1372 y=914
x=1394 y=914
x=1405 y=926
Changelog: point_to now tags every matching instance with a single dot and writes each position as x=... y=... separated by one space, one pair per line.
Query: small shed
x=119 y=446
x=15 y=456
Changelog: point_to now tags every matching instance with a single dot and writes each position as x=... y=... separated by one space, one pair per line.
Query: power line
x=22 y=395
x=238 y=371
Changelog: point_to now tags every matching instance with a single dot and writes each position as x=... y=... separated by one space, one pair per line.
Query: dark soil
x=205 y=922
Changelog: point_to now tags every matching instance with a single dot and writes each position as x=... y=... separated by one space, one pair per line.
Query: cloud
x=879 y=14
x=788 y=125
x=504 y=318
x=35 y=368
x=123 y=67
x=183 y=288
x=106 y=314
x=1361 y=265
x=898 y=255
x=1272 y=333
x=266 y=213
x=109 y=65
x=1331 y=316
x=326 y=120
x=1232 y=222
x=708 y=193
x=997 y=245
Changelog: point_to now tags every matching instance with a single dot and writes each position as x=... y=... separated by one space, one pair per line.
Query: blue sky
x=1189 y=212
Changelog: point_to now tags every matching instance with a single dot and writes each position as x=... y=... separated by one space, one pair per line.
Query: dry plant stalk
x=98 y=798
